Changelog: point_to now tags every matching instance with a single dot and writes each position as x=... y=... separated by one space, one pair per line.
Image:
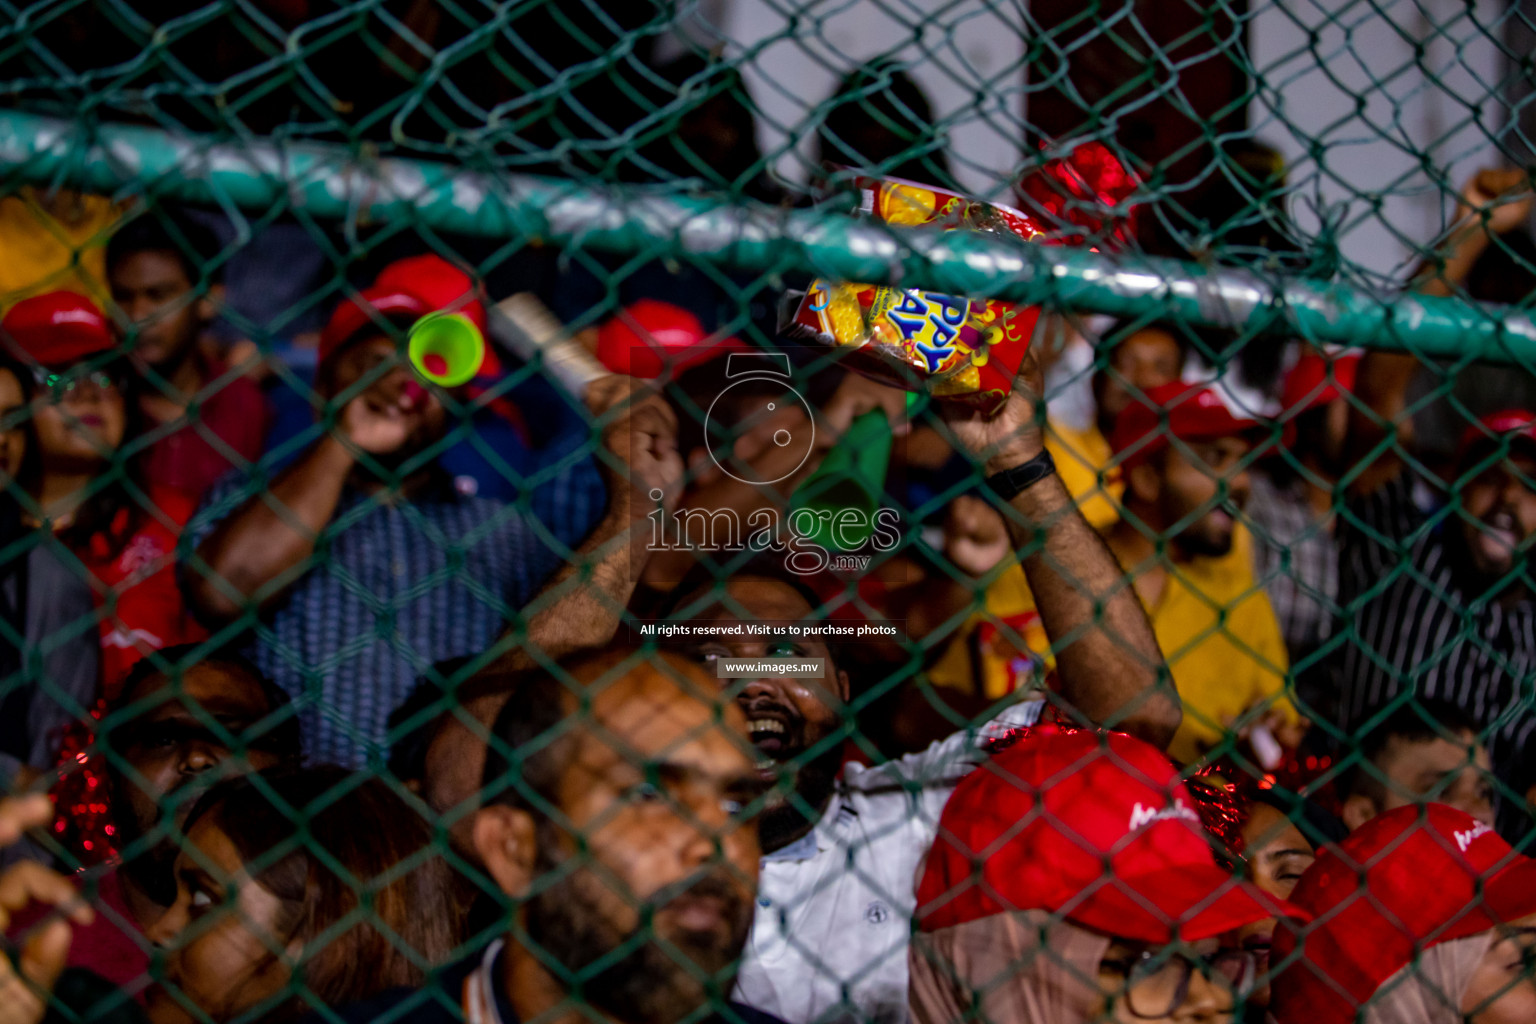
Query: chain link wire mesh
x=337 y=675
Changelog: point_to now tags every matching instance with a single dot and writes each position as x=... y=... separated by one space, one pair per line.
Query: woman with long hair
x=82 y=487
x=82 y=508
x=298 y=889
x=46 y=604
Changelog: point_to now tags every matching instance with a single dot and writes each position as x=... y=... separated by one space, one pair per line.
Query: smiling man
x=1435 y=561
x=843 y=843
x=1440 y=603
x=793 y=719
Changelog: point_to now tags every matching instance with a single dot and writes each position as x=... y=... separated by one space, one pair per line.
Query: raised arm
x=274 y=533
x=1107 y=660
x=1492 y=203
x=582 y=605
x=1495 y=202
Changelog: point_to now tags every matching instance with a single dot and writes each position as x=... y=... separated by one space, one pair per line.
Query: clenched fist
x=640 y=430
x=1013 y=435
x=381 y=424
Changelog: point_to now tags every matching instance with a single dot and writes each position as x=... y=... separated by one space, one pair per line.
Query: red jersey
x=135 y=586
x=187 y=460
x=141 y=610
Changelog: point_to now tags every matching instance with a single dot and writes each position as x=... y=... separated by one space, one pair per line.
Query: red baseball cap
x=1312 y=383
x=1318 y=379
x=1491 y=429
x=411 y=287
x=1404 y=881
x=58 y=328
x=649 y=336
x=1193 y=413
x=1094 y=826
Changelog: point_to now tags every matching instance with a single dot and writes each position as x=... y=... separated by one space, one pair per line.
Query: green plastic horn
x=851 y=478
x=446 y=349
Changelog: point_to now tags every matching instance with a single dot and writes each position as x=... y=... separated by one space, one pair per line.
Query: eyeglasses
x=62 y=386
x=1157 y=982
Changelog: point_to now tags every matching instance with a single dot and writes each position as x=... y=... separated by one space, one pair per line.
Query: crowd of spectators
x=362 y=698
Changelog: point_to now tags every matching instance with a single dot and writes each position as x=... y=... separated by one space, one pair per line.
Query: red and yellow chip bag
x=958 y=349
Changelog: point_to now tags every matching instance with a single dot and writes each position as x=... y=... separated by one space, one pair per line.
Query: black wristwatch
x=1010 y=483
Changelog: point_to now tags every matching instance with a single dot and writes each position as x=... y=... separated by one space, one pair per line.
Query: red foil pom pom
x=1087 y=188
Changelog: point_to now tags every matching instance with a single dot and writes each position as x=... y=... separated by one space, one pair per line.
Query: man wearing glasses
x=1071 y=882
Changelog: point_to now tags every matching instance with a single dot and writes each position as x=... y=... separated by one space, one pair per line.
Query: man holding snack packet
x=842 y=848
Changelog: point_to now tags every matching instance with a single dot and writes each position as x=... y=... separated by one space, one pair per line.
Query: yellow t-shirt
x=1223 y=646
x=1004 y=650
x=56 y=244
x=1082 y=461
x=1213 y=623
x=1001 y=650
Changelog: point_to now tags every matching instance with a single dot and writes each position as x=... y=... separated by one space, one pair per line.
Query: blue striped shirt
x=392 y=588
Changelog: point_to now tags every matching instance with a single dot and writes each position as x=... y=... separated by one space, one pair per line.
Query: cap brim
x=1190 y=903
x=1248 y=430
x=353 y=315
x=1511 y=894
x=1478 y=444
x=1144 y=448
x=74 y=347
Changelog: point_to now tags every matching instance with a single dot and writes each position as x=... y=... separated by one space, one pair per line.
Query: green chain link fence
x=1307 y=208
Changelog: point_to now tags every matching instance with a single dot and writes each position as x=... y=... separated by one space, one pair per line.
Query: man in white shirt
x=842 y=851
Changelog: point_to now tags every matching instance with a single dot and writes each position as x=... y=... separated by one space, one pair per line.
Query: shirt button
x=764 y=901
x=398 y=568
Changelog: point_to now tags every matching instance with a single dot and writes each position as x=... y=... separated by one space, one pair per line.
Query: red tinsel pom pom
x=1087 y=188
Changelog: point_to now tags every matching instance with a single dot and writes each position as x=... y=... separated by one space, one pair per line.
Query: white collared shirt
x=829 y=937
x=479 y=995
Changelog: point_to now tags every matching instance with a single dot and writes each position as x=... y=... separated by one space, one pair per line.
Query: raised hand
x=379 y=424
x=641 y=431
x=1508 y=187
x=25 y=983
x=1013 y=435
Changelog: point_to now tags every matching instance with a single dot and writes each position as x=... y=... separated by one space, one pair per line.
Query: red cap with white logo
x=1094 y=826
x=1404 y=881
x=57 y=329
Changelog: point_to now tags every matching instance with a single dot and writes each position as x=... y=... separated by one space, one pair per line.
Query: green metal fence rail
x=332 y=182
x=1233 y=199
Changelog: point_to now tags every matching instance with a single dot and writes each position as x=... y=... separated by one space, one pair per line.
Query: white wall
x=1310 y=94
x=1307 y=94
x=975 y=47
